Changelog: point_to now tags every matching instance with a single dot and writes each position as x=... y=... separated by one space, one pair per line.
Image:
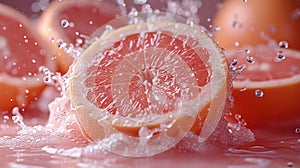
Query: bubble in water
x=283 y=44
x=297 y=130
x=64 y=23
x=259 y=93
x=245 y=1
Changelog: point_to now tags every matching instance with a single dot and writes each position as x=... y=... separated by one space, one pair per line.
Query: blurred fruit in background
x=253 y=22
x=67 y=24
x=22 y=53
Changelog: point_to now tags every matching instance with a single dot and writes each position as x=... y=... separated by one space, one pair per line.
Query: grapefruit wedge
x=266 y=93
x=145 y=82
x=22 y=53
x=67 y=24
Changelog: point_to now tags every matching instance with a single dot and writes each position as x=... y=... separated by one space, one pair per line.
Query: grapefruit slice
x=66 y=25
x=22 y=53
x=142 y=86
x=267 y=90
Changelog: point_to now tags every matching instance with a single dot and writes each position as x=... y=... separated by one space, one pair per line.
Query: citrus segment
x=145 y=83
x=267 y=90
x=68 y=23
x=22 y=53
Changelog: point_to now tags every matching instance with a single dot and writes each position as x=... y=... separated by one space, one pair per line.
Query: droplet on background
x=64 y=23
x=243 y=89
x=236 y=44
x=280 y=56
x=250 y=60
x=247 y=51
x=140 y=2
x=259 y=93
x=283 y=44
x=290 y=164
x=217 y=29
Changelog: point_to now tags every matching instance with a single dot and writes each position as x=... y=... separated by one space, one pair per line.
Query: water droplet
x=79 y=41
x=108 y=27
x=6 y=117
x=290 y=164
x=17 y=117
x=234 y=23
x=297 y=130
x=27 y=91
x=218 y=28
x=283 y=44
x=239 y=69
x=140 y=2
x=243 y=89
x=64 y=23
x=233 y=63
x=90 y=22
x=71 y=24
x=61 y=44
x=259 y=93
x=236 y=43
x=52 y=40
x=280 y=56
x=250 y=59
x=20 y=25
x=247 y=51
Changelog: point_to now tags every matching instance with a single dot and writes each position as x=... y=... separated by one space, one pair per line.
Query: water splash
x=18 y=118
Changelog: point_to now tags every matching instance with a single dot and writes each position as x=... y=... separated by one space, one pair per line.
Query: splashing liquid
x=61 y=142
